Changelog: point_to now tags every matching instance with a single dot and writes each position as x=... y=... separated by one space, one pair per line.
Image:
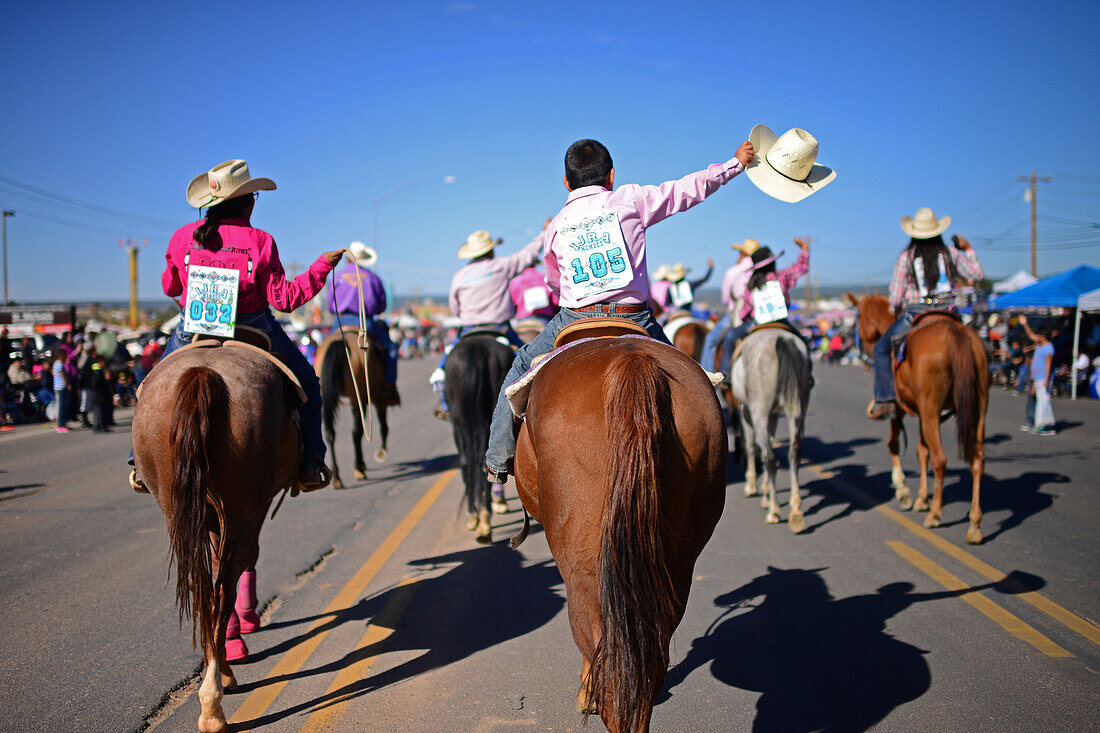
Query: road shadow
x=820 y=664
x=1021 y=496
x=381 y=472
x=452 y=618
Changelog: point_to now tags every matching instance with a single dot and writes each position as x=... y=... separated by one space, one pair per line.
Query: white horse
x=772 y=375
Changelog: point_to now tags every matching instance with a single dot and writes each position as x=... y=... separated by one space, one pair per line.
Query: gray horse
x=772 y=375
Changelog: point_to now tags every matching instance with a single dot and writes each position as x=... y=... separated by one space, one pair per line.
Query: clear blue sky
x=914 y=104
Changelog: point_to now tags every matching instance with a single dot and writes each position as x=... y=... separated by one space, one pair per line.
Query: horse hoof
x=931 y=521
x=484 y=528
x=213 y=723
x=360 y=475
x=974 y=536
x=764 y=503
x=380 y=455
x=772 y=518
x=905 y=501
x=235 y=650
x=249 y=620
x=796 y=522
x=920 y=505
x=337 y=483
x=471 y=522
x=500 y=506
x=750 y=490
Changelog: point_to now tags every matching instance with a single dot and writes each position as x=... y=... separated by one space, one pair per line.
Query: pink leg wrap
x=246 y=602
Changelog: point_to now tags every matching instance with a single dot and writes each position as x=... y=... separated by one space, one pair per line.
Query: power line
x=73 y=224
x=84 y=204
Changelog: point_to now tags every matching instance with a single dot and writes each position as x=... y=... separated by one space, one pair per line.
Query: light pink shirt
x=635 y=208
x=479 y=291
x=735 y=281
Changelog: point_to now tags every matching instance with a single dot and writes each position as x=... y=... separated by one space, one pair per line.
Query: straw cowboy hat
x=362 y=255
x=785 y=167
x=476 y=245
x=924 y=225
x=678 y=272
x=228 y=180
x=747 y=247
x=661 y=273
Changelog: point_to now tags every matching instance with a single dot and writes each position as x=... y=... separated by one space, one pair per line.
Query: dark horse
x=214 y=442
x=944 y=370
x=622 y=458
x=475 y=369
x=335 y=371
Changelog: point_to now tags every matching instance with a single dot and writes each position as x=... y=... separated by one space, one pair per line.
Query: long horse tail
x=637 y=601
x=966 y=392
x=788 y=375
x=202 y=406
x=333 y=368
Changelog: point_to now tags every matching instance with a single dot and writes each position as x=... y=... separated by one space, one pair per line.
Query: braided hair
x=234 y=208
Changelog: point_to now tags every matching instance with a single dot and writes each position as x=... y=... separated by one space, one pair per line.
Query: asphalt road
x=382 y=613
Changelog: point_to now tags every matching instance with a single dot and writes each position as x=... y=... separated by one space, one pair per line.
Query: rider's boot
x=312 y=475
x=882 y=410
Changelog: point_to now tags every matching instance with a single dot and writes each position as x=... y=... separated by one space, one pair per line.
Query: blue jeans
x=381 y=333
x=63 y=398
x=502 y=440
x=506 y=331
x=714 y=339
x=310 y=412
x=1023 y=377
x=883 y=369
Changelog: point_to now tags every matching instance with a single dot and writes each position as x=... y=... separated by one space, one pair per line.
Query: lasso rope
x=362 y=342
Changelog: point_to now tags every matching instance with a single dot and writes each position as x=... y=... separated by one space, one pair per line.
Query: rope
x=365 y=416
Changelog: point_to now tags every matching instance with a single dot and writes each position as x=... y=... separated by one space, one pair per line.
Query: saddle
x=772 y=326
x=923 y=319
x=602 y=327
x=681 y=319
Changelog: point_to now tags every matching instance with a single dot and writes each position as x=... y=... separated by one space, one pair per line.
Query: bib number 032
x=598 y=265
x=211 y=305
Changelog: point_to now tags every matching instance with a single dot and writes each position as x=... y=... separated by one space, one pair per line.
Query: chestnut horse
x=944 y=370
x=213 y=442
x=335 y=372
x=689 y=339
x=622 y=458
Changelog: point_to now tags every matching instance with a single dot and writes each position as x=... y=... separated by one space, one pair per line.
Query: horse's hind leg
x=921 y=504
x=897 y=475
x=330 y=439
x=357 y=443
x=977 y=466
x=795 y=426
x=771 y=466
x=748 y=433
x=383 y=432
x=930 y=432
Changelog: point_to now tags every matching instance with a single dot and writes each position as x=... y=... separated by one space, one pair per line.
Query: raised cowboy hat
x=678 y=272
x=924 y=225
x=362 y=255
x=747 y=247
x=785 y=167
x=228 y=180
x=477 y=244
x=661 y=273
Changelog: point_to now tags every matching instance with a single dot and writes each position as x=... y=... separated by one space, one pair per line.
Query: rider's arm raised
x=655 y=203
x=286 y=295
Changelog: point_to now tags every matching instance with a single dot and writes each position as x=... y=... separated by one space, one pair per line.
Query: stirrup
x=325 y=478
x=137 y=484
x=497 y=477
x=889 y=410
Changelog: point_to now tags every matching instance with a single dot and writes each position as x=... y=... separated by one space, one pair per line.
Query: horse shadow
x=820 y=663
x=1021 y=496
x=450 y=621
x=381 y=472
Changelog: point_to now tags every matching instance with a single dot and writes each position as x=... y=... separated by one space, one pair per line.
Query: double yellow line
x=1002 y=617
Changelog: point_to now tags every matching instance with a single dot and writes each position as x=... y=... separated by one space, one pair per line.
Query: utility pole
x=133 y=249
x=4 y=236
x=1030 y=196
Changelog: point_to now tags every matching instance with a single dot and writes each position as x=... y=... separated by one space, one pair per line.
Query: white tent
x=1010 y=285
x=1087 y=302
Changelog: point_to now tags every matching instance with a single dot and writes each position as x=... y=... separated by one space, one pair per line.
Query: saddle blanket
x=674 y=325
x=518 y=392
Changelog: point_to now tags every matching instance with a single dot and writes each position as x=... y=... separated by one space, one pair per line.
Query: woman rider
x=924 y=279
x=764 y=272
x=226 y=239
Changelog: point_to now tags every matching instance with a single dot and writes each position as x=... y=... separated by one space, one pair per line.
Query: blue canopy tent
x=1056 y=291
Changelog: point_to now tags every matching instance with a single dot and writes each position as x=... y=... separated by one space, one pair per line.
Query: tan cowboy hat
x=785 y=168
x=228 y=180
x=661 y=273
x=747 y=247
x=362 y=255
x=678 y=272
x=924 y=225
x=477 y=244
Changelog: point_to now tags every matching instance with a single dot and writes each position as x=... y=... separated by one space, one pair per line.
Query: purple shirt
x=595 y=246
x=479 y=291
x=787 y=278
x=735 y=281
x=344 y=294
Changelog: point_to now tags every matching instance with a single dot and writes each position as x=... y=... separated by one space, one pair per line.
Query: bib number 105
x=598 y=265
x=211 y=312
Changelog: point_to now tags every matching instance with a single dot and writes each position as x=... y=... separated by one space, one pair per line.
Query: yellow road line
x=257 y=703
x=1067 y=618
x=1006 y=620
x=379 y=629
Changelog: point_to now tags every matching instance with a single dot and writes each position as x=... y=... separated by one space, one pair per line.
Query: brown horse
x=944 y=370
x=335 y=371
x=622 y=458
x=689 y=338
x=213 y=442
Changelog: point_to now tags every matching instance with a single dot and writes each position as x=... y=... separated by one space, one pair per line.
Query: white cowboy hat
x=924 y=225
x=362 y=255
x=661 y=273
x=747 y=247
x=678 y=272
x=228 y=180
x=477 y=244
x=785 y=167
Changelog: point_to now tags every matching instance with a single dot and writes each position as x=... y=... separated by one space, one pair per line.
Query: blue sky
x=914 y=104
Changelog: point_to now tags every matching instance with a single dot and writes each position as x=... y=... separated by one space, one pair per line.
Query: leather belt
x=611 y=308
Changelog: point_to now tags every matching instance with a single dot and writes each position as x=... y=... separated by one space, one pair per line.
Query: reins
x=362 y=342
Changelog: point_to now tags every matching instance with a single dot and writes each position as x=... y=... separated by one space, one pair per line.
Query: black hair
x=234 y=208
x=587 y=163
x=760 y=276
x=929 y=251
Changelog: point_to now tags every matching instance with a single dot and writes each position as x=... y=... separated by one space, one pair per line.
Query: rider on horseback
x=479 y=294
x=344 y=299
x=226 y=239
x=595 y=259
x=673 y=292
x=924 y=279
x=734 y=283
x=767 y=293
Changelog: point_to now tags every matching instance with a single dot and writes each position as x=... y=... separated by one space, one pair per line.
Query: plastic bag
x=1044 y=412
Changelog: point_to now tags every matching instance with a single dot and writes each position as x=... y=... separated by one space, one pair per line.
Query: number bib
x=535 y=299
x=595 y=250
x=768 y=303
x=681 y=294
x=211 y=305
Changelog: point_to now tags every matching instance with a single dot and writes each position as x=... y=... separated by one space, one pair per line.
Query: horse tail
x=966 y=392
x=202 y=406
x=637 y=598
x=333 y=367
x=788 y=375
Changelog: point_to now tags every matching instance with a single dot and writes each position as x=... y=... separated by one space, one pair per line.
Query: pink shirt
x=787 y=278
x=479 y=291
x=735 y=281
x=595 y=246
x=531 y=280
x=251 y=252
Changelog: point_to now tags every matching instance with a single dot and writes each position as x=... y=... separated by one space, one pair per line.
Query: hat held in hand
x=786 y=167
x=229 y=180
